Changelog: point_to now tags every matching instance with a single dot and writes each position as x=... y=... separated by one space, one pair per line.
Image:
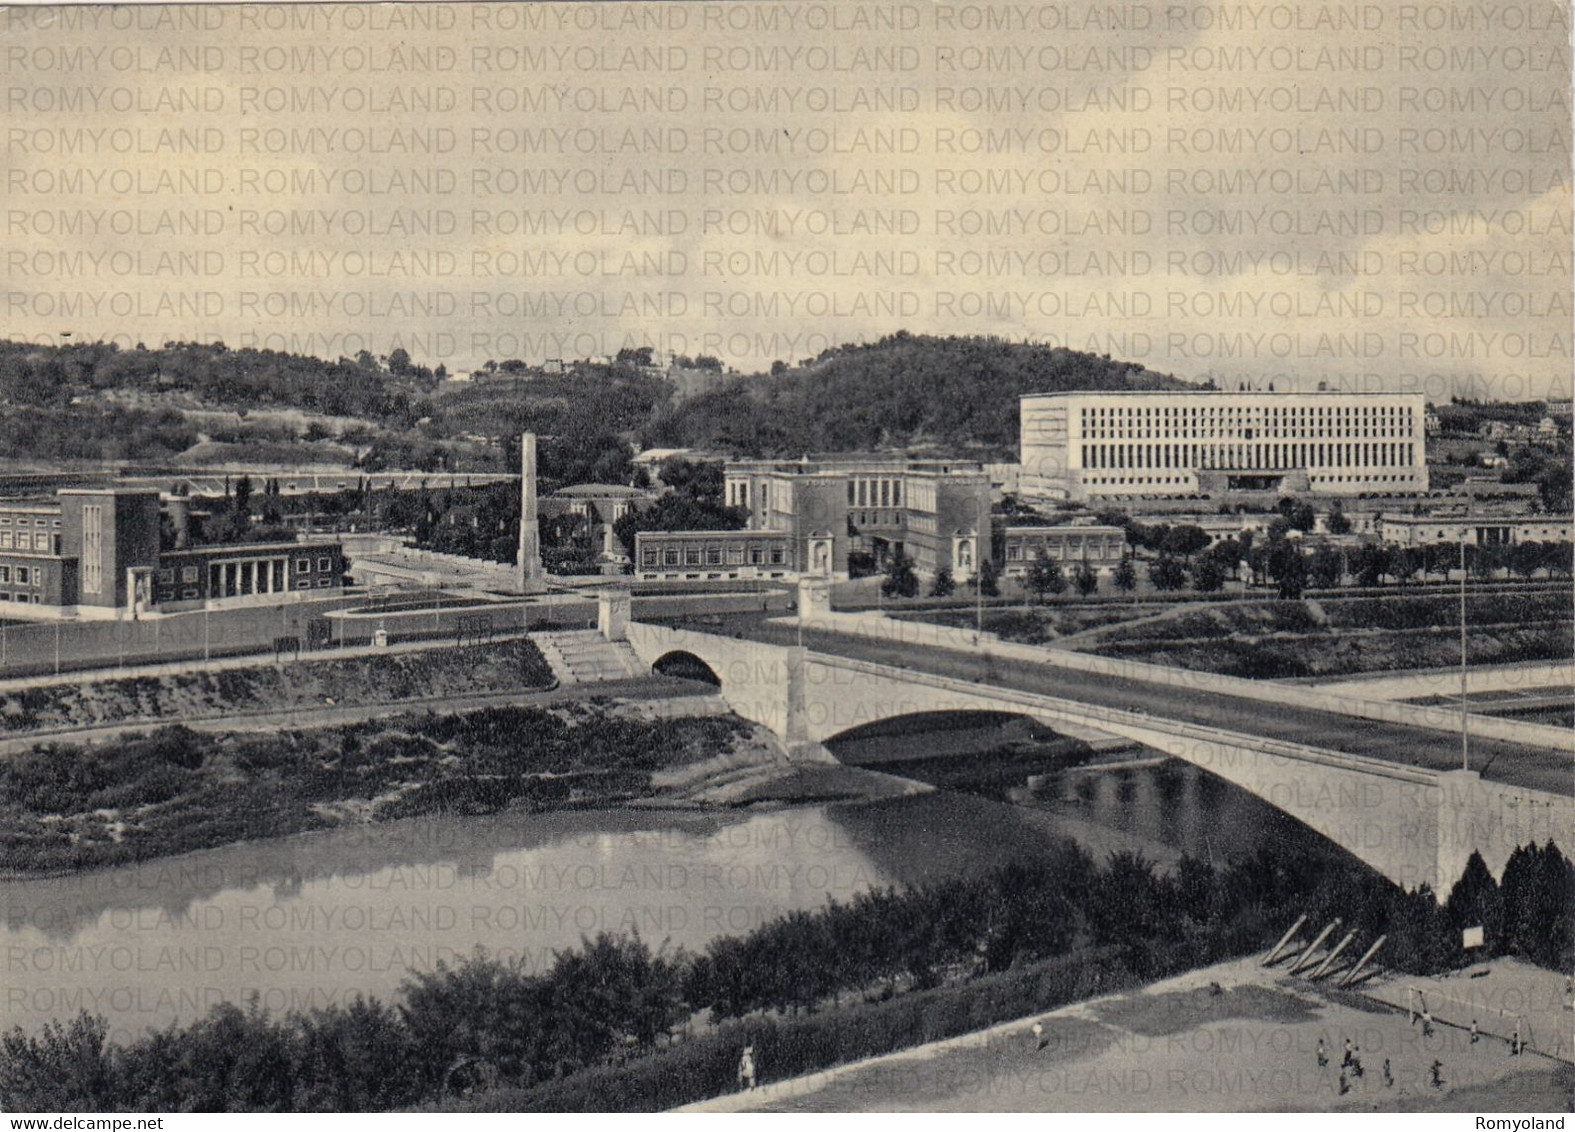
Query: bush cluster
x=601 y=1028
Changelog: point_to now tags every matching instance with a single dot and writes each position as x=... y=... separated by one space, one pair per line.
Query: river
x=307 y=921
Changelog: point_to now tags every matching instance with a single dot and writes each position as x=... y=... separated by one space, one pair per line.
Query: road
x=42 y=648
x=1437 y=750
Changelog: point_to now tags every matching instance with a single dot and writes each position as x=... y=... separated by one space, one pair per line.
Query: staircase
x=586 y=657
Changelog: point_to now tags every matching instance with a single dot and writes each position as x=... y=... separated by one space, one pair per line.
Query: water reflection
x=308 y=921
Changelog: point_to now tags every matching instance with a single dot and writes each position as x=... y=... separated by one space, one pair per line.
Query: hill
x=906 y=390
x=195 y=401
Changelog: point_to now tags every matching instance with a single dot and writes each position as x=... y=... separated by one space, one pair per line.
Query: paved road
x=43 y=648
x=1552 y=771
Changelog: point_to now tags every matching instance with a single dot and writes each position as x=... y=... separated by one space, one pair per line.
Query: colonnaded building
x=1228 y=446
x=99 y=553
x=806 y=516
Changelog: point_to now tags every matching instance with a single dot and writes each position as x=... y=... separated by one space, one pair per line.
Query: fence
x=60 y=647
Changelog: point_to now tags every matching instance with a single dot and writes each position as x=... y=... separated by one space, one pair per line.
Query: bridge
x=1415 y=825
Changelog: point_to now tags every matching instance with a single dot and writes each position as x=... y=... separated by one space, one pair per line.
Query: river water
x=307 y=921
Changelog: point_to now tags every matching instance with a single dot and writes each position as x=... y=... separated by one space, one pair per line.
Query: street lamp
x=1465 y=712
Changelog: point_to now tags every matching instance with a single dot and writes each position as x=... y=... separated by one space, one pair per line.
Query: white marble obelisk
x=531 y=580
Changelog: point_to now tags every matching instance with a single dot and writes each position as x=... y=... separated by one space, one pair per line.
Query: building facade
x=1220 y=445
x=934 y=512
x=1478 y=530
x=95 y=552
x=711 y=556
x=1068 y=544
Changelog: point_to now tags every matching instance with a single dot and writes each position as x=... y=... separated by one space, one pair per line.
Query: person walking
x=1427 y=1022
x=746 y=1070
x=1474 y=1035
x=1346 y=1060
x=1323 y=1054
x=1389 y=1077
x=1039 y=1036
x=1356 y=1061
x=1437 y=1072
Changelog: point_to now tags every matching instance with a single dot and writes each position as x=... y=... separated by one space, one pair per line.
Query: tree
x=399 y=361
x=1299 y=516
x=1045 y=577
x=1289 y=567
x=1373 y=562
x=1526 y=558
x=1475 y=901
x=1086 y=579
x=1208 y=576
x=1337 y=523
x=673 y=512
x=1167 y=573
x=1184 y=540
x=241 y=503
x=699 y=480
x=1324 y=569
x=1125 y=577
x=900 y=580
x=943 y=585
x=986 y=579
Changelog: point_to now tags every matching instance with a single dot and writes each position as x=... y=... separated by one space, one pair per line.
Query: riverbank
x=258 y=685
x=1233 y=1036
x=68 y=807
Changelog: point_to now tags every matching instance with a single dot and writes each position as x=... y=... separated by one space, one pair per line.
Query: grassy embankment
x=67 y=806
x=1309 y=638
x=500 y=667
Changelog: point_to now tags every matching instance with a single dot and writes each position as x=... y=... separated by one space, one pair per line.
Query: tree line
x=485 y=1023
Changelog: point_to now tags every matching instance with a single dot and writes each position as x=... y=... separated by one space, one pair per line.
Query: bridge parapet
x=1414 y=825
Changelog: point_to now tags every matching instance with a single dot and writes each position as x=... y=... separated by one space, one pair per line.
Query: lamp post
x=1465 y=707
x=978 y=606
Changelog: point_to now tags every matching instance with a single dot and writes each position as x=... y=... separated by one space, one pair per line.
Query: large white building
x=1218 y=444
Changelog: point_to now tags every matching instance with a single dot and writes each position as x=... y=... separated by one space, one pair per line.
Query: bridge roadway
x=1497 y=761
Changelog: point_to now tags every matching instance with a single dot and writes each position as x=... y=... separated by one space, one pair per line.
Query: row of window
x=1018 y=552
x=712 y=556
x=651 y=576
x=1249 y=412
x=6 y=521
x=23 y=575
x=1361 y=479
x=871 y=492
x=1274 y=456
x=25 y=540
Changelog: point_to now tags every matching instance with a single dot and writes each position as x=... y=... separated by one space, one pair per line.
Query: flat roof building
x=1220 y=445
x=1478 y=530
x=96 y=553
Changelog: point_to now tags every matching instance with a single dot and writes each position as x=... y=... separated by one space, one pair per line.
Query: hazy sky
x=1370 y=195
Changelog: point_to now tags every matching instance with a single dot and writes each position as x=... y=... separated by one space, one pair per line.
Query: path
x=1446 y=681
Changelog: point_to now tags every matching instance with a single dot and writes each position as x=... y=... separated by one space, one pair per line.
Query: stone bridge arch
x=1415 y=826
x=687 y=666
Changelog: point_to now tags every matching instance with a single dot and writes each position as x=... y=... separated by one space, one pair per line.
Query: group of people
x=1351 y=1065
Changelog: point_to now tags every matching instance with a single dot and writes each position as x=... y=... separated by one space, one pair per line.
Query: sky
x=1367 y=196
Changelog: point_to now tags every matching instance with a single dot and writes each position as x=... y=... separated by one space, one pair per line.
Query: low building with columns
x=95 y=553
x=1067 y=544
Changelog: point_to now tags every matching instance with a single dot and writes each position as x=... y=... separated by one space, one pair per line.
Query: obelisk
x=531 y=580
